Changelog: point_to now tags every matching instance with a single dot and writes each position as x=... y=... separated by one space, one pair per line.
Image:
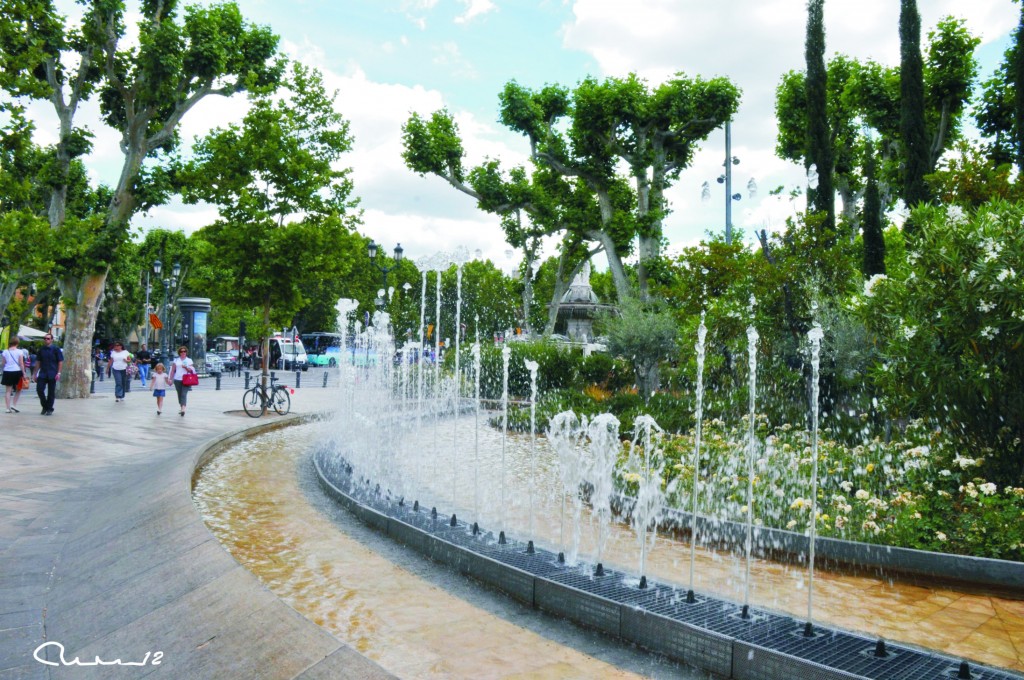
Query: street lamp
x=372 y=249
x=726 y=179
x=169 y=284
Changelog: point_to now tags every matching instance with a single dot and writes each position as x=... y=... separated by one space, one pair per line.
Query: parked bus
x=323 y=349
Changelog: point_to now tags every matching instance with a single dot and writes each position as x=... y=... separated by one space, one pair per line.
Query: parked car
x=229 y=359
x=214 y=364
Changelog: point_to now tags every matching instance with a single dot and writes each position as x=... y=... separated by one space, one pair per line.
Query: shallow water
x=251 y=499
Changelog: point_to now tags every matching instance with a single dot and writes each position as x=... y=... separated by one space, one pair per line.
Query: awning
x=26 y=333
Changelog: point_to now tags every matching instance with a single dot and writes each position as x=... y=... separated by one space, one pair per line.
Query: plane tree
x=145 y=86
x=277 y=238
x=589 y=132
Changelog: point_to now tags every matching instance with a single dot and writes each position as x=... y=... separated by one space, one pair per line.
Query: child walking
x=160 y=386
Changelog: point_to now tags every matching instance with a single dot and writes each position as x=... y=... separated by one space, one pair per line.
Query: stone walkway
x=103 y=552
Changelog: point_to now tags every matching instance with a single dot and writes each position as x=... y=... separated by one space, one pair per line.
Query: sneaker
x=181 y=413
x=9 y=411
x=43 y=412
x=48 y=413
x=15 y=410
x=158 y=412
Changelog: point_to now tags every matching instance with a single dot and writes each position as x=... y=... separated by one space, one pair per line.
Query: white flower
x=862 y=495
x=870 y=284
x=846 y=486
x=790 y=524
x=985 y=306
x=941 y=536
x=964 y=463
x=989 y=332
x=945 y=473
x=1006 y=274
x=988 y=488
x=798 y=504
x=971 y=275
x=955 y=214
x=909 y=332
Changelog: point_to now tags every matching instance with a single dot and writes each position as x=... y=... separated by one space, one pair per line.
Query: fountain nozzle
x=599 y=571
x=401 y=502
x=561 y=558
x=415 y=506
x=880 y=650
x=529 y=548
x=454 y=521
x=476 y=528
x=643 y=582
x=691 y=597
x=808 y=629
x=965 y=671
x=433 y=513
x=501 y=538
x=745 y=612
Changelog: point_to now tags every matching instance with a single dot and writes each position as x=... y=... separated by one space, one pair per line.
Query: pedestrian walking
x=100 y=358
x=180 y=367
x=118 y=367
x=161 y=383
x=49 y=362
x=143 y=358
x=14 y=371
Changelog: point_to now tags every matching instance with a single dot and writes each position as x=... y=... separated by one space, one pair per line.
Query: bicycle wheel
x=281 y=402
x=252 y=402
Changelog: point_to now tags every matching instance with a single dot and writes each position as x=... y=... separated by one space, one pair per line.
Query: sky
x=388 y=58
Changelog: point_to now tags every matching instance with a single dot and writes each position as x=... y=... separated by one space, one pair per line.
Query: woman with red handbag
x=183 y=373
x=14 y=371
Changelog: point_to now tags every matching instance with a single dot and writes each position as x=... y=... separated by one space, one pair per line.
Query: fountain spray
x=476 y=431
x=815 y=336
x=752 y=338
x=506 y=354
x=532 y=366
x=702 y=332
x=457 y=379
x=647 y=466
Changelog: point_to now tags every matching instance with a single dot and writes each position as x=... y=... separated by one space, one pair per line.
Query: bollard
x=298 y=379
x=247 y=376
x=92 y=384
x=218 y=381
x=325 y=378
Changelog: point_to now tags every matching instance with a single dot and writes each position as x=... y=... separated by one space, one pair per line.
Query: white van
x=287 y=354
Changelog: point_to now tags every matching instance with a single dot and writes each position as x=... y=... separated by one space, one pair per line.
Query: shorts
x=159 y=393
x=11 y=378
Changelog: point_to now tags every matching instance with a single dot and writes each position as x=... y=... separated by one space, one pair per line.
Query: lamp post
x=372 y=249
x=169 y=285
x=145 y=312
x=726 y=179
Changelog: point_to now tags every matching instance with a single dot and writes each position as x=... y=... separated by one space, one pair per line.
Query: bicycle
x=257 y=400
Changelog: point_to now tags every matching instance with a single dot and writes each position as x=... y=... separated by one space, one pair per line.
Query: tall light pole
x=169 y=285
x=726 y=179
x=145 y=313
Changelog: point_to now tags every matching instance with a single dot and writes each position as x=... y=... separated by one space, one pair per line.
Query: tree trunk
x=265 y=373
x=527 y=293
x=79 y=326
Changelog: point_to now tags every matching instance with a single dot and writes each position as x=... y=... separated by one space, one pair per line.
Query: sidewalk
x=103 y=551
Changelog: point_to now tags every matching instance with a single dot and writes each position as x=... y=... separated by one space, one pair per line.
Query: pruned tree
x=654 y=133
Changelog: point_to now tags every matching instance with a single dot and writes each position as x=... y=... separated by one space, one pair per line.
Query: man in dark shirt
x=50 y=361
x=143 y=358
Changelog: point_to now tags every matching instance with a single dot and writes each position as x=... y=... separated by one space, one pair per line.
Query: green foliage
x=950 y=332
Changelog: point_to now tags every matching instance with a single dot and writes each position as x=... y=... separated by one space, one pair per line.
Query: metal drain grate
x=708 y=633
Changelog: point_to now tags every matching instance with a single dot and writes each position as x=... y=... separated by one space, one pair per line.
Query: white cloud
x=474 y=8
x=449 y=56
